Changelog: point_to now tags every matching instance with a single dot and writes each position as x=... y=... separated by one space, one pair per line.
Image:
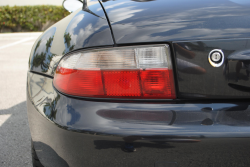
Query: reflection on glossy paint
x=214 y=82
x=42 y=55
x=120 y=11
x=185 y=66
x=184 y=50
x=67 y=40
x=115 y=127
x=137 y=117
x=75 y=116
x=244 y=64
x=241 y=2
x=88 y=28
x=84 y=28
x=237 y=70
x=46 y=99
x=50 y=108
x=189 y=68
x=163 y=20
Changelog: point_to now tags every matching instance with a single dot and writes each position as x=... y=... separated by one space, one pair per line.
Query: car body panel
x=173 y=20
x=197 y=78
x=208 y=123
x=40 y=61
x=84 y=28
x=77 y=132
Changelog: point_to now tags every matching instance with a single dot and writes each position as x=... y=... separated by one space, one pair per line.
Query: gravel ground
x=14 y=130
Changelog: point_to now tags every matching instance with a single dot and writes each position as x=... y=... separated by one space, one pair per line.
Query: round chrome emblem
x=216 y=58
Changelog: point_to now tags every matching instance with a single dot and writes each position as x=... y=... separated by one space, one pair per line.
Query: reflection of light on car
x=241 y=2
x=141 y=117
x=134 y=75
x=190 y=68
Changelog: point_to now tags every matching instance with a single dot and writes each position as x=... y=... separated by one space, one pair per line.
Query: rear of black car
x=143 y=83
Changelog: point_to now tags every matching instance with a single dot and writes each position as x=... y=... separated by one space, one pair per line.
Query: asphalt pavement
x=14 y=130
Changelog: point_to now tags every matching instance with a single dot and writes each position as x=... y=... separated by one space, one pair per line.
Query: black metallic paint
x=83 y=29
x=87 y=29
x=40 y=61
x=75 y=132
x=197 y=78
x=238 y=69
x=173 y=20
x=93 y=133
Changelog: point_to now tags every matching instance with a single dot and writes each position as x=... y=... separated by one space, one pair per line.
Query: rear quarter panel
x=81 y=29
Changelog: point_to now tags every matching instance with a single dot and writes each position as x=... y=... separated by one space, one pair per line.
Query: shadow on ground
x=50 y=157
x=15 y=137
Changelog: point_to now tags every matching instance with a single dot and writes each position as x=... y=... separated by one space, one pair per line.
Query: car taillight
x=142 y=72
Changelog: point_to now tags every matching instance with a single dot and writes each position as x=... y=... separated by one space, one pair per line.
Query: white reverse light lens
x=108 y=59
x=70 y=61
x=152 y=57
x=120 y=58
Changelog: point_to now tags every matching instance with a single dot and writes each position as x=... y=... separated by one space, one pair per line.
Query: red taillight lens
x=125 y=83
x=80 y=82
x=158 y=83
x=139 y=78
x=62 y=78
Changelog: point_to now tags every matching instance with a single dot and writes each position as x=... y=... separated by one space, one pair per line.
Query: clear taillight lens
x=143 y=72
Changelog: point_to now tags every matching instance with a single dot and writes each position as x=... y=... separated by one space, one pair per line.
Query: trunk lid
x=174 y=20
x=204 y=26
x=197 y=78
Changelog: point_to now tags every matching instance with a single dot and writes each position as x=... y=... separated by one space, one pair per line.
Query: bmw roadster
x=142 y=83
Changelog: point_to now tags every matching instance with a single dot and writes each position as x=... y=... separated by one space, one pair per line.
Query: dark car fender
x=69 y=131
x=84 y=28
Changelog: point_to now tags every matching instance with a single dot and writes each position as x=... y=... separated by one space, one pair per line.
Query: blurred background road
x=14 y=131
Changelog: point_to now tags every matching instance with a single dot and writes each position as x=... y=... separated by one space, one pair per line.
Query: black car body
x=207 y=124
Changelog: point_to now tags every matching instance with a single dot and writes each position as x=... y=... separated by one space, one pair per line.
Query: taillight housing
x=138 y=72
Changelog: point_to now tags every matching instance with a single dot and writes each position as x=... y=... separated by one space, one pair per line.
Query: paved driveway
x=14 y=131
